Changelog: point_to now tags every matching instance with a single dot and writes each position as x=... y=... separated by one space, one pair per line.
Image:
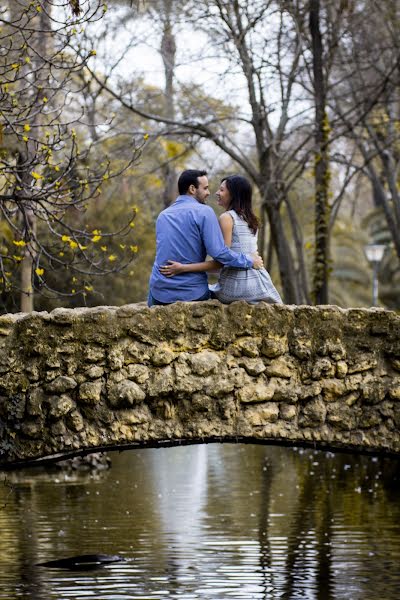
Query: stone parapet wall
x=81 y=379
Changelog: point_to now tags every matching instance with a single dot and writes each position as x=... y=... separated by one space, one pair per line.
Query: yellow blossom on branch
x=19 y=243
x=17 y=258
x=36 y=175
x=73 y=244
x=112 y=257
x=104 y=248
x=27 y=127
x=134 y=248
x=96 y=238
x=39 y=271
x=66 y=238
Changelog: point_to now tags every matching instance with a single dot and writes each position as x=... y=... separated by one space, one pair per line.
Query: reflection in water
x=210 y=522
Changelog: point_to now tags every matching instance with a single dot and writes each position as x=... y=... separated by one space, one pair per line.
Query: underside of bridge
x=74 y=381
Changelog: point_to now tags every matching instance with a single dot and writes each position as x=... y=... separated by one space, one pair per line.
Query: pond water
x=208 y=522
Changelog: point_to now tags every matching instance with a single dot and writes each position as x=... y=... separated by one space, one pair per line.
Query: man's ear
x=192 y=189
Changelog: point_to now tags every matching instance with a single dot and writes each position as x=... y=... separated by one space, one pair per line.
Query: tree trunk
x=320 y=283
x=168 y=52
x=284 y=256
x=39 y=44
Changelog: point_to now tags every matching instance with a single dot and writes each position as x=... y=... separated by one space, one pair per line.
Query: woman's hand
x=172 y=268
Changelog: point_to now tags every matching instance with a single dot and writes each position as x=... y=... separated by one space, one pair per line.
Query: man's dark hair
x=188 y=178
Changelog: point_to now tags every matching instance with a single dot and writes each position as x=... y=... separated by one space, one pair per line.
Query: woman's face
x=223 y=196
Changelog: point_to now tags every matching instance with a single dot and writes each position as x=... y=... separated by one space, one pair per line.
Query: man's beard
x=203 y=201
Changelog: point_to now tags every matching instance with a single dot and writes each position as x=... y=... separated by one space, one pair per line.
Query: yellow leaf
x=122 y=246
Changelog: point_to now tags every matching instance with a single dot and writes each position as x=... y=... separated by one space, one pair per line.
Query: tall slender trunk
x=40 y=45
x=168 y=52
x=320 y=283
x=280 y=242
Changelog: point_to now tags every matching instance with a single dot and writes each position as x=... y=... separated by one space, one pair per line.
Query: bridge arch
x=76 y=380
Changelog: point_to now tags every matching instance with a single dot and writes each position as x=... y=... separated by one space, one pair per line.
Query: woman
x=239 y=227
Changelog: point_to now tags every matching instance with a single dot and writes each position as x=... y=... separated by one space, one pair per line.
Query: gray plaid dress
x=252 y=285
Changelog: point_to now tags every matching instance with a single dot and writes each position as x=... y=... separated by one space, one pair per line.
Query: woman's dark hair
x=241 y=198
x=188 y=178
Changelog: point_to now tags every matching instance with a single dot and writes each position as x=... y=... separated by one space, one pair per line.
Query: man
x=186 y=232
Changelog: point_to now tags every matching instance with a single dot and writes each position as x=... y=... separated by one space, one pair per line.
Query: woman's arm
x=175 y=268
x=226 y=224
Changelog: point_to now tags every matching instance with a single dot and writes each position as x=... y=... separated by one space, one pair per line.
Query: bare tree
x=47 y=175
x=368 y=103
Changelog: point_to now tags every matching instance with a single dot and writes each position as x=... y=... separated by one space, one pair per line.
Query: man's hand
x=258 y=262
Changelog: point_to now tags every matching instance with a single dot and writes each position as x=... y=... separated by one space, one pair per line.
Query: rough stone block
x=61 y=384
x=90 y=392
x=262 y=414
x=256 y=392
x=126 y=393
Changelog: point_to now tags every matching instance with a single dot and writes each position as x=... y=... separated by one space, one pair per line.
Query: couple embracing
x=188 y=231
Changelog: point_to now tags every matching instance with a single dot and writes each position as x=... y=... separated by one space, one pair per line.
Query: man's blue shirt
x=187 y=232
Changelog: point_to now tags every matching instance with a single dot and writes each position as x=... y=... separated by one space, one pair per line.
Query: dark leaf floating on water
x=82 y=562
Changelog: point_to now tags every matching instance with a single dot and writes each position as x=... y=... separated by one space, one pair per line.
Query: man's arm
x=215 y=245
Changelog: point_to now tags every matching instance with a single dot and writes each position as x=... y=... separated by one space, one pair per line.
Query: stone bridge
x=74 y=381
